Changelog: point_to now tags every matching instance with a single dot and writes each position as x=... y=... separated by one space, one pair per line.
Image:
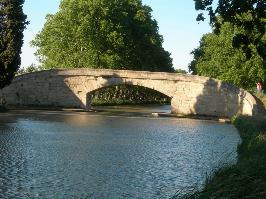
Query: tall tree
x=117 y=34
x=12 y=25
x=216 y=57
x=235 y=50
x=248 y=14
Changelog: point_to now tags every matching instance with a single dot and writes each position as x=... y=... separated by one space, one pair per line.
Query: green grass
x=246 y=179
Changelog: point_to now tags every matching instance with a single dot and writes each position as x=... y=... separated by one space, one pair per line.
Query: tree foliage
x=12 y=25
x=117 y=34
x=235 y=51
x=128 y=94
x=178 y=70
x=248 y=14
x=216 y=57
x=30 y=69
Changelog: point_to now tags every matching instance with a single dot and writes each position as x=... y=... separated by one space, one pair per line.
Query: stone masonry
x=70 y=88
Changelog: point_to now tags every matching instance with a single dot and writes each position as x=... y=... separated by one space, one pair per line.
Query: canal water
x=50 y=154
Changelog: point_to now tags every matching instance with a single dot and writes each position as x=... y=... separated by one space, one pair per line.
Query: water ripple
x=56 y=157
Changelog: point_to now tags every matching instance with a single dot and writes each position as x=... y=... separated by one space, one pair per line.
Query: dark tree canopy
x=216 y=57
x=236 y=49
x=230 y=9
x=117 y=34
x=249 y=14
x=12 y=25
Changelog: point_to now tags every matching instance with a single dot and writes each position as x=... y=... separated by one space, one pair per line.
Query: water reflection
x=94 y=156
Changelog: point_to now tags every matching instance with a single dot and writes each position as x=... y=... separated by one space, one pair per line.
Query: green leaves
x=12 y=25
x=235 y=51
x=248 y=14
x=218 y=58
x=102 y=34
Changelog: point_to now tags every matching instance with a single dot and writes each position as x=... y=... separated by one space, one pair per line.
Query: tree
x=216 y=57
x=12 y=25
x=117 y=34
x=248 y=14
x=178 y=70
x=235 y=50
x=30 y=69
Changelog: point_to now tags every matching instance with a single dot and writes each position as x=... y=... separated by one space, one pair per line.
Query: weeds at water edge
x=246 y=179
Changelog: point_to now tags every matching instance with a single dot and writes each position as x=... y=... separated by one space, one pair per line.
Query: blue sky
x=176 y=20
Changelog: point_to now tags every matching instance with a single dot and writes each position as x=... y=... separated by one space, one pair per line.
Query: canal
x=121 y=152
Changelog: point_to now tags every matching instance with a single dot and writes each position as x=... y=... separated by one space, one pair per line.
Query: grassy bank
x=246 y=179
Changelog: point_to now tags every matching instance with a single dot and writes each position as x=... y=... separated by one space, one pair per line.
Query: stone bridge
x=70 y=88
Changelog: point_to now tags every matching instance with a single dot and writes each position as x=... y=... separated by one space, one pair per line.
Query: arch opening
x=125 y=94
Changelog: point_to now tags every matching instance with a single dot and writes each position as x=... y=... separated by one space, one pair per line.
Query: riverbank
x=117 y=102
x=147 y=110
x=247 y=178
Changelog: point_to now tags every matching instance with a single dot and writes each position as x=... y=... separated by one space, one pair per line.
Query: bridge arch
x=190 y=94
x=134 y=93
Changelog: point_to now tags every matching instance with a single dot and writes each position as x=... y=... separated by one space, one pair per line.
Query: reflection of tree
x=2 y=101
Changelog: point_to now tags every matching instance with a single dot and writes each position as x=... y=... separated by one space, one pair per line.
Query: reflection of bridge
x=70 y=88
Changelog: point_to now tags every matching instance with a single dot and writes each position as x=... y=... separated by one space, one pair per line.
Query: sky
x=176 y=20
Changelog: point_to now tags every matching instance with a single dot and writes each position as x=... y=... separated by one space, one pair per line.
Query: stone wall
x=70 y=88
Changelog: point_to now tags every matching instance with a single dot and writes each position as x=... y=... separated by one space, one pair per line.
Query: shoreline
x=246 y=178
x=115 y=112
